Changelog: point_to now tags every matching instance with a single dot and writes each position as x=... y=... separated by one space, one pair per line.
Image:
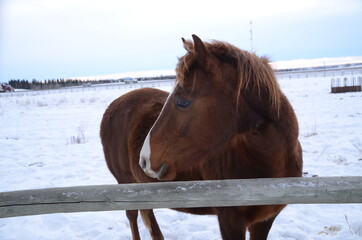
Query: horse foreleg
x=260 y=230
x=132 y=217
x=231 y=225
x=151 y=223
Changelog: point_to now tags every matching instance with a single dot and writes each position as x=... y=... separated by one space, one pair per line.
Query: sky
x=49 y=39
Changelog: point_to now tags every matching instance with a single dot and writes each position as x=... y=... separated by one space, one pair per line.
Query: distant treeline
x=46 y=84
x=163 y=77
x=59 y=83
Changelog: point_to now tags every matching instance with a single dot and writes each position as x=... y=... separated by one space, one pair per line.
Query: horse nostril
x=143 y=163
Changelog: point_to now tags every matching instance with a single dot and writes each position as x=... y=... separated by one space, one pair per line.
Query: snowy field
x=52 y=140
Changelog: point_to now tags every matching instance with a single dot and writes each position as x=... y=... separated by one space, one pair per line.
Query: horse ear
x=199 y=48
x=188 y=45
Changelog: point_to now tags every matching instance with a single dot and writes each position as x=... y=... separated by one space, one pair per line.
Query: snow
x=51 y=139
x=317 y=62
x=137 y=74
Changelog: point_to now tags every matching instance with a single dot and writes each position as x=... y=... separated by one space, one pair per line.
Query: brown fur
x=239 y=125
x=124 y=127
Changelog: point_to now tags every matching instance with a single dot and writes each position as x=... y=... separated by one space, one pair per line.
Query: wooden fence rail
x=182 y=195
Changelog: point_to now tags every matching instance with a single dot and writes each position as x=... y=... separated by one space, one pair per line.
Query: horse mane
x=254 y=74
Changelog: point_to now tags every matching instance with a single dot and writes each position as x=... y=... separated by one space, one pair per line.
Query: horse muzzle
x=146 y=167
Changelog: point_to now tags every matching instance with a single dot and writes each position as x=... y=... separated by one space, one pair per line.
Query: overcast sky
x=45 y=39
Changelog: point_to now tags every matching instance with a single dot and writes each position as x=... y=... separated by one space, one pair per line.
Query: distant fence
x=346 y=84
x=218 y=193
x=140 y=84
x=327 y=72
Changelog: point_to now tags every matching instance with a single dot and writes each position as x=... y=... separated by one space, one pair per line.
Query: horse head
x=221 y=92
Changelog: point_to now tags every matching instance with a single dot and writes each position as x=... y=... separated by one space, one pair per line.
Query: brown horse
x=226 y=118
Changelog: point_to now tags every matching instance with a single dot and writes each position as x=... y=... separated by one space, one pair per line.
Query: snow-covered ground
x=52 y=140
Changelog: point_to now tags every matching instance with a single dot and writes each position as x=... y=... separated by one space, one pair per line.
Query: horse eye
x=182 y=102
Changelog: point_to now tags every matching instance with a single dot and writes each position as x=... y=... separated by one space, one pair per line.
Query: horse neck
x=238 y=159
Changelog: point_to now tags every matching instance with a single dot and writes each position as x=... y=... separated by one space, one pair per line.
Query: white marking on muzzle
x=145 y=154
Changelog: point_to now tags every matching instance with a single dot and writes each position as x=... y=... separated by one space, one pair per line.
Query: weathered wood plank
x=182 y=195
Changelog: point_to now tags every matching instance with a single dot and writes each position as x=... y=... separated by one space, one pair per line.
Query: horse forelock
x=254 y=74
x=183 y=67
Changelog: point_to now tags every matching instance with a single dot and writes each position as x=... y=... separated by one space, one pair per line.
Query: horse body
x=226 y=119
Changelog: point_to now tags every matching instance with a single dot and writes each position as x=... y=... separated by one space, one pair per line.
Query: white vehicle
x=128 y=80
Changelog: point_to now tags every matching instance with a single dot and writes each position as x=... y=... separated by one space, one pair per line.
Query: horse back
x=124 y=127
